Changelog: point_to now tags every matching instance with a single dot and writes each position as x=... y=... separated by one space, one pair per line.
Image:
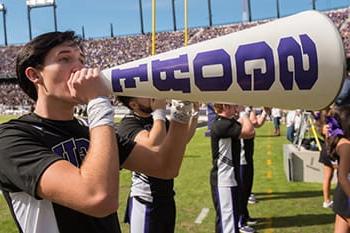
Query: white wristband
x=181 y=111
x=263 y=114
x=159 y=114
x=100 y=112
x=243 y=114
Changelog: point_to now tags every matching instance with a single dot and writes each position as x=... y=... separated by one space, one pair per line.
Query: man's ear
x=133 y=104
x=33 y=75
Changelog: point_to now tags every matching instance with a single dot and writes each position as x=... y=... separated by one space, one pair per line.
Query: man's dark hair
x=125 y=100
x=34 y=52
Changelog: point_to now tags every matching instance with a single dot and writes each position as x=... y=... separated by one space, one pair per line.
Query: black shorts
x=341 y=202
x=324 y=157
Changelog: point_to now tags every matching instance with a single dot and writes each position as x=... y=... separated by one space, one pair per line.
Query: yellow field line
x=269 y=174
x=269 y=162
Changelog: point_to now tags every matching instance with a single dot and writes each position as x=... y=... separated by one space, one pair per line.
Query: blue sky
x=96 y=15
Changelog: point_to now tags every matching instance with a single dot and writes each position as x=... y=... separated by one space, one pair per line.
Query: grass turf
x=283 y=206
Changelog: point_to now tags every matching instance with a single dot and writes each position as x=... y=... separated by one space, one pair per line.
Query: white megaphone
x=294 y=62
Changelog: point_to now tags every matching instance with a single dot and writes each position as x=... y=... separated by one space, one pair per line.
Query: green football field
x=283 y=207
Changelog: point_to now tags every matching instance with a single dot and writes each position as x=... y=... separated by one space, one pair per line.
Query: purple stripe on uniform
x=147 y=220
x=218 y=210
x=130 y=205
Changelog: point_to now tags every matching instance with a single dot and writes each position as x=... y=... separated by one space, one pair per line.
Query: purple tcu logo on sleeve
x=163 y=71
x=73 y=150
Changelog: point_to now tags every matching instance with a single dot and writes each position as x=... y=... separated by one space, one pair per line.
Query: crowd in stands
x=108 y=52
x=8 y=61
x=13 y=99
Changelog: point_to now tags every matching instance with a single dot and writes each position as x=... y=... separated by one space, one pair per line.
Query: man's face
x=143 y=105
x=231 y=109
x=59 y=63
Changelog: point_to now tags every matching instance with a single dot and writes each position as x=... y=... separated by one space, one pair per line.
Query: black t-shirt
x=145 y=186
x=226 y=148
x=28 y=146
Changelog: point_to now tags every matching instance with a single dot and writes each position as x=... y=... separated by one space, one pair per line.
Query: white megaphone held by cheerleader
x=293 y=62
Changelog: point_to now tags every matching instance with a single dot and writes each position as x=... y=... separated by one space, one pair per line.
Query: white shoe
x=328 y=204
x=252 y=221
x=252 y=199
x=246 y=229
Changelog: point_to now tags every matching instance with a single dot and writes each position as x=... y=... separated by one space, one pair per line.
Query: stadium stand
x=108 y=52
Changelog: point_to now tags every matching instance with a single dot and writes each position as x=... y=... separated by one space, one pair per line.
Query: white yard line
x=202 y=215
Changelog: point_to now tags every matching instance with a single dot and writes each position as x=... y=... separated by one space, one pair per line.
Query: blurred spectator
x=324 y=122
x=293 y=121
x=276 y=115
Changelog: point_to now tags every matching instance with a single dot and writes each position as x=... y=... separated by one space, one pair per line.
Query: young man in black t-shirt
x=151 y=204
x=56 y=174
x=226 y=133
